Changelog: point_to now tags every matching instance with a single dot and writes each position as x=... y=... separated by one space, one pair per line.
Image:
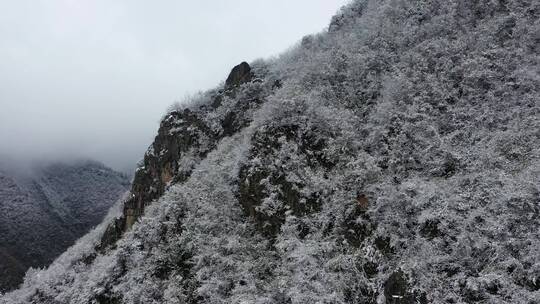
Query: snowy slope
x=392 y=159
x=43 y=213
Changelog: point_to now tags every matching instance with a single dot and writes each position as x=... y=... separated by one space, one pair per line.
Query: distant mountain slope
x=43 y=213
x=392 y=159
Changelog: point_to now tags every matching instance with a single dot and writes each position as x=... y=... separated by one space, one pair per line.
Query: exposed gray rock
x=185 y=136
x=240 y=74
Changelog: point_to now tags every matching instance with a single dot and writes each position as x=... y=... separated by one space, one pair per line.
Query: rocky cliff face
x=42 y=213
x=185 y=137
x=391 y=159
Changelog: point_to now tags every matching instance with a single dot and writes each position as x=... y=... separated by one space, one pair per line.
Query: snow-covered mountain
x=45 y=210
x=393 y=158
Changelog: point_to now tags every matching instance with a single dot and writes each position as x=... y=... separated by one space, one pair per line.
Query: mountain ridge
x=46 y=209
x=391 y=159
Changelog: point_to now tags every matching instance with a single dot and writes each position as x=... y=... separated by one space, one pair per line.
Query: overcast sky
x=91 y=78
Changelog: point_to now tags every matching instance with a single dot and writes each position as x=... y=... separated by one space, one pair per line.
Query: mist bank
x=91 y=79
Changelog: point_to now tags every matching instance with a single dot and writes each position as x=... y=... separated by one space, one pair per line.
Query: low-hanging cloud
x=91 y=78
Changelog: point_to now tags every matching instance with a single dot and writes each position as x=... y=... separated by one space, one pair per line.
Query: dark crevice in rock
x=430 y=229
x=382 y=243
x=397 y=290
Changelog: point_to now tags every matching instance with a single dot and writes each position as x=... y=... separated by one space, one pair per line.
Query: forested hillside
x=393 y=158
x=45 y=210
